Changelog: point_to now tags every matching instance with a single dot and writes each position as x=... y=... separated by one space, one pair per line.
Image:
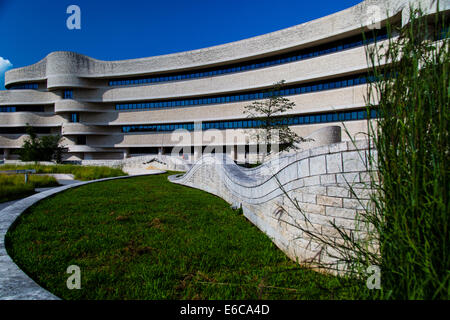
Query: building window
x=68 y=94
x=23 y=130
x=74 y=117
x=23 y=109
x=81 y=140
x=7 y=109
x=299 y=119
x=29 y=86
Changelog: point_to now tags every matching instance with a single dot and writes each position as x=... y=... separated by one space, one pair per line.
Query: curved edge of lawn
x=16 y=284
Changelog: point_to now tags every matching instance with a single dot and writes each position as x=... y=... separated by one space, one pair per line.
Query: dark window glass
x=74 y=117
x=81 y=140
x=361 y=115
x=68 y=94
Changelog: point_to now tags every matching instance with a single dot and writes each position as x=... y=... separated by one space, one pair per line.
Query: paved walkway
x=3 y=205
x=14 y=283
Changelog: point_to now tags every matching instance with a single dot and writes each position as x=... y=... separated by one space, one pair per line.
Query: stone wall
x=163 y=162
x=325 y=184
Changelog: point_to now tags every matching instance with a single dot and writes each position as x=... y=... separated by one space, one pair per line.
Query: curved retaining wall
x=320 y=179
x=162 y=162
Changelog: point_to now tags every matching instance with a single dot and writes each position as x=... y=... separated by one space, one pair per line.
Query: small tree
x=273 y=126
x=44 y=148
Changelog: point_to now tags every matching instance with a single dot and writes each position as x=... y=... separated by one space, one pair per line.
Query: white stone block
x=317 y=165
x=312 y=181
x=340 y=212
x=302 y=155
x=362 y=144
x=347 y=178
x=309 y=198
x=334 y=163
x=319 y=150
x=354 y=161
x=329 y=201
x=354 y=204
x=338 y=192
x=311 y=208
x=338 y=147
x=303 y=168
x=364 y=193
x=317 y=190
x=328 y=179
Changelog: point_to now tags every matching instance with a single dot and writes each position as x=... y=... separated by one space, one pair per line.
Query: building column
x=233 y=152
x=197 y=152
x=126 y=153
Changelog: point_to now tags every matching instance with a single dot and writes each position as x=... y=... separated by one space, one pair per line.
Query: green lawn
x=146 y=238
x=12 y=187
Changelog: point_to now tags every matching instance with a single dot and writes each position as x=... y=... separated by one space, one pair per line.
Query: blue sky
x=126 y=29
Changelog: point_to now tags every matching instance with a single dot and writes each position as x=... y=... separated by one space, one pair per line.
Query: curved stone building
x=117 y=109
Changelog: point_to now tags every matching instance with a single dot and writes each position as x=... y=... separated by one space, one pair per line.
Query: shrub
x=44 y=148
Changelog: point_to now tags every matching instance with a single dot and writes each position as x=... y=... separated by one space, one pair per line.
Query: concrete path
x=3 y=205
x=63 y=179
x=14 y=283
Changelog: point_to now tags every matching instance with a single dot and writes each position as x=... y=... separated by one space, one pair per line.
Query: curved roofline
x=76 y=66
x=218 y=46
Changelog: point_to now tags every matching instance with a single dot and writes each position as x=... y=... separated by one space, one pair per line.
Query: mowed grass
x=146 y=238
x=80 y=172
x=13 y=187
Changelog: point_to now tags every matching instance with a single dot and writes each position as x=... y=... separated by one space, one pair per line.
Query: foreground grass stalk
x=408 y=216
x=412 y=140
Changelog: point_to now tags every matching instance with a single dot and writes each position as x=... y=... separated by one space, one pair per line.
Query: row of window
x=23 y=109
x=23 y=130
x=261 y=63
x=24 y=86
x=8 y=109
x=289 y=90
x=248 y=123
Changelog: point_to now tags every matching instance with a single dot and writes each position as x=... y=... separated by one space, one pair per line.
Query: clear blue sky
x=125 y=29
